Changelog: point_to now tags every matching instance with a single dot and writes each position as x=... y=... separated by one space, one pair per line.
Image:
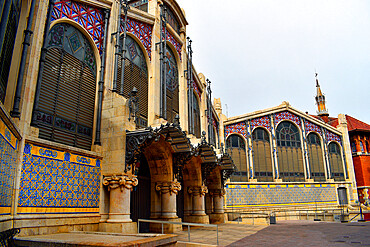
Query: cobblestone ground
x=309 y=233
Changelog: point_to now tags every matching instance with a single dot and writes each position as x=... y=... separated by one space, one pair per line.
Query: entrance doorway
x=140 y=196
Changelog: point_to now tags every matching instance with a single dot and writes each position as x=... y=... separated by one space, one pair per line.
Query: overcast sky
x=258 y=53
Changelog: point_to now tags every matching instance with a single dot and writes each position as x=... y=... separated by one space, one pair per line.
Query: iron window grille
x=68 y=89
x=336 y=164
x=316 y=157
x=262 y=161
x=235 y=146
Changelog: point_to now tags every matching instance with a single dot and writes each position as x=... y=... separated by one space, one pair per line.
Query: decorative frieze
x=121 y=181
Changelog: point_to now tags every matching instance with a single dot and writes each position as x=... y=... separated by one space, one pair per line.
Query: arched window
x=68 y=88
x=262 y=162
x=353 y=147
x=316 y=157
x=236 y=148
x=172 y=84
x=9 y=13
x=196 y=115
x=362 y=147
x=336 y=165
x=289 y=152
x=135 y=75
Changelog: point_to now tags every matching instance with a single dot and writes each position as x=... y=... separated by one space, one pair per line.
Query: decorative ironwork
x=91 y=18
x=137 y=141
x=189 y=77
x=6 y=237
x=163 y=61
x=179 y=161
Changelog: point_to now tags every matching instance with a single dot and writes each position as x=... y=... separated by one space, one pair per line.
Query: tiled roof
x=355 y=124
x=352 y=123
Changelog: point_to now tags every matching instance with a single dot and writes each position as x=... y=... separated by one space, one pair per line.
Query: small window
x=362 y=147
x=353 y=147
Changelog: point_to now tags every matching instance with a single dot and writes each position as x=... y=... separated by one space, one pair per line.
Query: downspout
x=26 y=43
x=101 y=81
x=117 y=50
x=41 y=65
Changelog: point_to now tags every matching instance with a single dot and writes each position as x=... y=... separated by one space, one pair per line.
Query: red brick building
x=359 y=134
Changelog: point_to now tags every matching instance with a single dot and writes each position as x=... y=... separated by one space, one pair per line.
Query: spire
x=320 y=100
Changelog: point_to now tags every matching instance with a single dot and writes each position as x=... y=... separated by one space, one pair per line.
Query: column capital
x=121 y=181
x=217 y=192
x=168 y=187
x=198 y=190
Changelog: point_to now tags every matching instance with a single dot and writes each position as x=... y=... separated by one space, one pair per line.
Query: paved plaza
x=285 y=233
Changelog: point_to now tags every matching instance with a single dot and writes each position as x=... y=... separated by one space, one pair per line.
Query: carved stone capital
x=217 y=192
x=198 y=190
x=168 y=187
x=121 y=181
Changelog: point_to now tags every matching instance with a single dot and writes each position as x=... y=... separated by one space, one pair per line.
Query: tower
x=320 y=101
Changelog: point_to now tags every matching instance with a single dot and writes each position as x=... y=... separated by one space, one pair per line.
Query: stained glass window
x=172 y=20
x=289 y=152
x=262 y=161
x=68 y=88
x=315 y=155
x=336 y=164
x=135 y=75
x=235 y=146
x=172 y=84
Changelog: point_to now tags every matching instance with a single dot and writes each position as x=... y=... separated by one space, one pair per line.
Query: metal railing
x=177 y=223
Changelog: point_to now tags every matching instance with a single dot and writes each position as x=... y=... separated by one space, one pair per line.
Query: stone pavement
x=227 y=233
x=309 y=233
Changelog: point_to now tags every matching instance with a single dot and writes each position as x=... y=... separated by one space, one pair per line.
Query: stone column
x=119 y=188
x=168 y=192
x=198 y=193
x=209 y=204
x=218 y=200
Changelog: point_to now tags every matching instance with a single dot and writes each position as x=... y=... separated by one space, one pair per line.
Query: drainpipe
x=101 y=81
x=26 y=43
x=41 y=65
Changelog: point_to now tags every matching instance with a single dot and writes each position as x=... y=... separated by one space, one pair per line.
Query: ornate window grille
x=9 y=12
x=235 y=146
x=68 y=89
x=172 y=85
x=196 y=116
x=336 y=164
x=136 y=75
x=262 y=161
x=316 y=157
x=172 y=20
x=289 y=152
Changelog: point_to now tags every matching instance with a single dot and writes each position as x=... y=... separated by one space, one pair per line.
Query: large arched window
x=196 y=116
x=289 y=152
x=172 y=85
x=68 y=88
x=236 y=148
x=316 y=157
x=135 y=75
x=9 y=13
x=262 y=162
x=336 y=164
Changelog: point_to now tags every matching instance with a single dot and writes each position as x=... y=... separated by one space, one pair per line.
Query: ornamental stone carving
x=198 y=190
x=217 y=192
x=168 y=187
x=121 y=181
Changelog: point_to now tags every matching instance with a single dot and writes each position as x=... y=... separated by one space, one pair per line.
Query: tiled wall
x=8 y=160
x=54 y=181
x=280 y=195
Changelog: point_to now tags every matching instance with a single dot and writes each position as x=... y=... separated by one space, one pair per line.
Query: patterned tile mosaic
x=240 y=128
x=175 y=43
x=330 y=136
x=8 y=160
x=274 y=195
x=91 y=18
x=262 y=121
x=312 y=127
x=142 y=31
x=54 y=181
x=286 y=115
